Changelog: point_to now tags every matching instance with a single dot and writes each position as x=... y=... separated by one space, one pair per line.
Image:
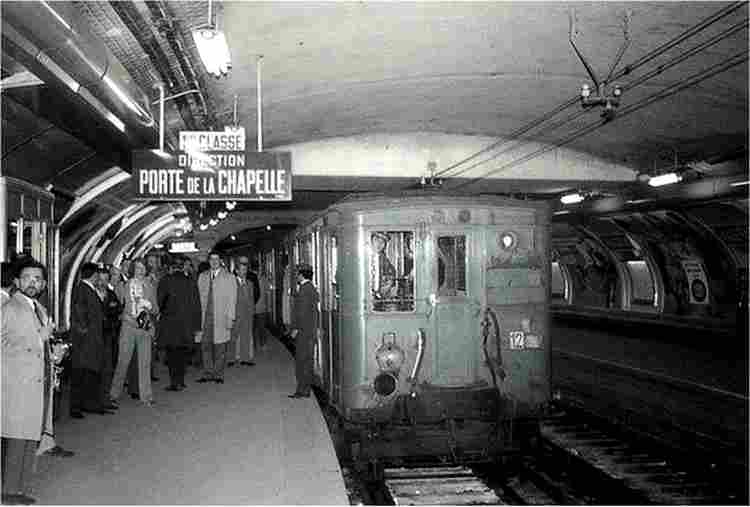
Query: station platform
x=241 y=442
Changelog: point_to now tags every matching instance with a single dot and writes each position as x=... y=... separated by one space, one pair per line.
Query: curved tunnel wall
x=691 y=268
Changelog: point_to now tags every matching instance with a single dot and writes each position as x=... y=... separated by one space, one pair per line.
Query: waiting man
x=260 y=321
x=218 y=293
x=305 y=322
x=87 y=335
x=179 y=321
x=26 y=381
x=242 y=348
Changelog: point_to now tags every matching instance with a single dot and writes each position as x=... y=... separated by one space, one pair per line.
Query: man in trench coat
x=218 y=293
x=26 y=380
x=305 y=322
x=179 y=320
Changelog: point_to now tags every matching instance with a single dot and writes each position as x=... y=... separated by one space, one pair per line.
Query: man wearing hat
x=305 y=322
x=180 y=319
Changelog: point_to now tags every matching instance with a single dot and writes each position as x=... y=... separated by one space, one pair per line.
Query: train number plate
x=517 y=340
x=520 y=340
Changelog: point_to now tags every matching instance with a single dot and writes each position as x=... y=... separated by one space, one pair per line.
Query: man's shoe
x=76 y=414
x=219 y=380
x=230 y=364
x=58 y=452
x=133 y=396
x=203 y=380
x=154 y=378
x=247 y=363
x=18 y=499
x=110 y=406
x=299 y=395
x=172 y=388
x=182 y=386
x=114 y=402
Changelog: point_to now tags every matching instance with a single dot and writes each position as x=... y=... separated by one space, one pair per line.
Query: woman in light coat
x=137 y=295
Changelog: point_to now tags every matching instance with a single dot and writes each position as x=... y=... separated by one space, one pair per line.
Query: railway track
x=620 y=468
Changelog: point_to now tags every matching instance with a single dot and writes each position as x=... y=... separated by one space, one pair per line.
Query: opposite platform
x=241 y=442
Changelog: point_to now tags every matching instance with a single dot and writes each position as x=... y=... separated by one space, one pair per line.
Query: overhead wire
x=721 y=13
x=625 y=87
x=737 y=59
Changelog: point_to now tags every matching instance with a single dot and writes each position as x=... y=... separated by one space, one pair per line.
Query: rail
x=650 y=375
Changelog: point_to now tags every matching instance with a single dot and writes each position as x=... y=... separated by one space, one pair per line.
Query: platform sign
x=697 y=281
x=218 y=174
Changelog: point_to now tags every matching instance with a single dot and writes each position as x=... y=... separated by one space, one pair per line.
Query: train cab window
x=392 y=271
x=643 y=291
x=451 y=260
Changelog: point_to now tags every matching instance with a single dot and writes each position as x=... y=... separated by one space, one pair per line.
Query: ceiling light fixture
x=572 y=198
x=230 y=205
x=212 y=47
x=664 y=179
x=203 y=227
x=213 y=222
x=221 y=214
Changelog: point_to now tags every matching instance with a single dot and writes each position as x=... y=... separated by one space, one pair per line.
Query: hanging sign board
x=696 y=281
x=212 y=174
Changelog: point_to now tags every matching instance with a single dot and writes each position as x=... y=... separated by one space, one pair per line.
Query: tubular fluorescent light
x=664 y=179
x=739 y=183
x=572 y=198
x=213 y=49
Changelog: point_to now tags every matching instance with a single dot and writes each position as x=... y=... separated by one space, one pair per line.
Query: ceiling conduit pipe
x=174 y=37
x=139 y=27
x=51 y=41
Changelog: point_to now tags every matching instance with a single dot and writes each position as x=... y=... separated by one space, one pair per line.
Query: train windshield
x=392 y=271
x=451 y=259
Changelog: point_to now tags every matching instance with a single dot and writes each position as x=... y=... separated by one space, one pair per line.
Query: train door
x=456 y=305
x=516 y=293
x=329 y=345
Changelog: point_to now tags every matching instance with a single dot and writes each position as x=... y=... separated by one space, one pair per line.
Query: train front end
x=443 y=321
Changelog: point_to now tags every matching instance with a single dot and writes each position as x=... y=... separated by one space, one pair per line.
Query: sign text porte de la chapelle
x=212 y=166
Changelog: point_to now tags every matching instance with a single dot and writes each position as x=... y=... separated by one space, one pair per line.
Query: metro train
x=434 y=323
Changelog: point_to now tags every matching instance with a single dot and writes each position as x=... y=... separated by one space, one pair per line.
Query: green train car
x=434 y=340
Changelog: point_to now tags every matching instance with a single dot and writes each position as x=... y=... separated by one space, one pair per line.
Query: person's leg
x=207 y=354
x=93 y=388
x=133 y=374
x=170 y=351
x=76 y=391
x=247 y=346
x=143 y=343
x=179 y=368
x=13 y=457
x=220 y=356
x=125 y=354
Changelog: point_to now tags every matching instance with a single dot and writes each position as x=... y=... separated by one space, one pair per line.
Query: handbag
x=143 y=320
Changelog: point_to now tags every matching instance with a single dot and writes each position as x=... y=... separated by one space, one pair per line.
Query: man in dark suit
x=87 y=352
x=305 y=322
x=179 y=321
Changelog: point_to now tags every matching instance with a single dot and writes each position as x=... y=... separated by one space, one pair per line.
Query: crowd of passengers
x=120 y=318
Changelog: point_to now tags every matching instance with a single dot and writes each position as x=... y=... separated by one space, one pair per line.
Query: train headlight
x=385 y=384
x=508 y=240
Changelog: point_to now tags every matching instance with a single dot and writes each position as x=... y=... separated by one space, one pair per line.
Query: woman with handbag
x=137 y=332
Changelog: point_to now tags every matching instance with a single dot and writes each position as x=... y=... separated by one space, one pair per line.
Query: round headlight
x=508 y=240
x=385 y=384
